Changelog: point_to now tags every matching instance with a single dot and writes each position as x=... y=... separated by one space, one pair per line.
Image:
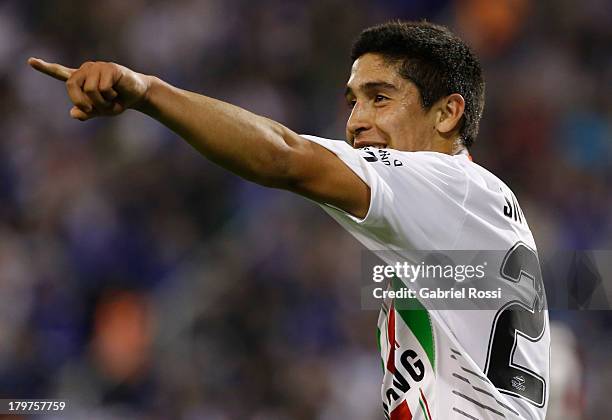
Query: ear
x=450 y=111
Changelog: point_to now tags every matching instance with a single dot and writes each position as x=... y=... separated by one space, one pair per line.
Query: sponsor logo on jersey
x=414 y=372
x=518 y=383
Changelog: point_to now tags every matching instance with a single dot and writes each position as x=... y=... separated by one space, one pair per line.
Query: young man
x=403 y=181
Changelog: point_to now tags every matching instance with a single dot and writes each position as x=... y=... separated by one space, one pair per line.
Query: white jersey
x=453 y=364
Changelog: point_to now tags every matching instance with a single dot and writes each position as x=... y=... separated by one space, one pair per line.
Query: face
x=386 y=108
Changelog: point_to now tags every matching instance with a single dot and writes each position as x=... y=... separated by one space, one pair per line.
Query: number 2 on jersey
x=518 y=318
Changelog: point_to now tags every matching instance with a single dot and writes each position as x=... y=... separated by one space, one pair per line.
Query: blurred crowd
x=140 y=281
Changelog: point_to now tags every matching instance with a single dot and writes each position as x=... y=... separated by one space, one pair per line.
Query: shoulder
x=484 y=183
x=372 y=154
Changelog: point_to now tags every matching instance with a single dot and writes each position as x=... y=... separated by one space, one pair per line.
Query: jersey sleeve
x=416 y=198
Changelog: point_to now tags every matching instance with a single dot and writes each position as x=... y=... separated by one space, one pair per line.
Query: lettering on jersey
x=512 y=210
x=384 y=157
x=386 y=410
x=415 y=369
x=371 y=156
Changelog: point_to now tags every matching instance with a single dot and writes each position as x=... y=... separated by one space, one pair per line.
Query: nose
x=359 y=121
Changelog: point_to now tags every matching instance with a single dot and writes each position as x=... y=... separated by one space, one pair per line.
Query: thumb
x=57 y=71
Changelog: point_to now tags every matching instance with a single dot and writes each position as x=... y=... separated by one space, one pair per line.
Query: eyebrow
x=370 y=86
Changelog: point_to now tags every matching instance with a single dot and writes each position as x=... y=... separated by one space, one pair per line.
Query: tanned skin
x=386 y=112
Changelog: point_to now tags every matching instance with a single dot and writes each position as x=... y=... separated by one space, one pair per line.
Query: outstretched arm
x=254 y=147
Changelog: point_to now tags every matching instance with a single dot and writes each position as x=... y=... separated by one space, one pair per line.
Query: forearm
x=249 y=145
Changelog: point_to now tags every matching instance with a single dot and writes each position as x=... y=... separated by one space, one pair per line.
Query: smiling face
x=386 y=108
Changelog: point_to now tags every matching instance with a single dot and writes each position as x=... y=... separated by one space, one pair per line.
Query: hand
x=98 y=88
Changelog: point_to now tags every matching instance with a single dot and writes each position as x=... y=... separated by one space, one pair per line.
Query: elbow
x=278 y=166
x=278 y=171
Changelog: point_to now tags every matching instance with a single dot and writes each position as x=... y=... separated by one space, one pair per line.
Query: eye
x=351 y=103
x=379 y=98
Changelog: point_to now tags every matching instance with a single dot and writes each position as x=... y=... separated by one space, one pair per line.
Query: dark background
x=138 y=280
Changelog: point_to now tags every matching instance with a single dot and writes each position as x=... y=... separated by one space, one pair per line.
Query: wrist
x=146 y=102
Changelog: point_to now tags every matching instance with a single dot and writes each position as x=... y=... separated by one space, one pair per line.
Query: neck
x=450 y=147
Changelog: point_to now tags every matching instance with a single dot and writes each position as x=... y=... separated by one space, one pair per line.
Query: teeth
x=376 y=146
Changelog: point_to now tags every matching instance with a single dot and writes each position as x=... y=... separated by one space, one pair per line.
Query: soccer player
x=403 y=180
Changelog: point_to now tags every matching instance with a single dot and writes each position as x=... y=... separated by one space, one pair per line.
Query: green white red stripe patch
x=424 y=405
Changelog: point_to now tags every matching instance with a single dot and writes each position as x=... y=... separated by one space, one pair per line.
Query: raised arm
x=254 y=147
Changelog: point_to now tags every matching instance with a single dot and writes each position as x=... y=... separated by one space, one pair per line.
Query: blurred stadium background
x=139 y=281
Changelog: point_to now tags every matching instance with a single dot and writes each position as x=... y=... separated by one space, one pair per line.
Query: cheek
x=386 y=125
x=400 y=122
x=413 y=119
x=391 y=120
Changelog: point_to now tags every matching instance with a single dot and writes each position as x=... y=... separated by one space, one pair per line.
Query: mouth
x=362 y=144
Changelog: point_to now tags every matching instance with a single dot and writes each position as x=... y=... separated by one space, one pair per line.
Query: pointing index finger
x=57 y=71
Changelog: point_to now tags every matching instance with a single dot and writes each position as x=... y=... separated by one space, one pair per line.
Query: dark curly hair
x=435 y=60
